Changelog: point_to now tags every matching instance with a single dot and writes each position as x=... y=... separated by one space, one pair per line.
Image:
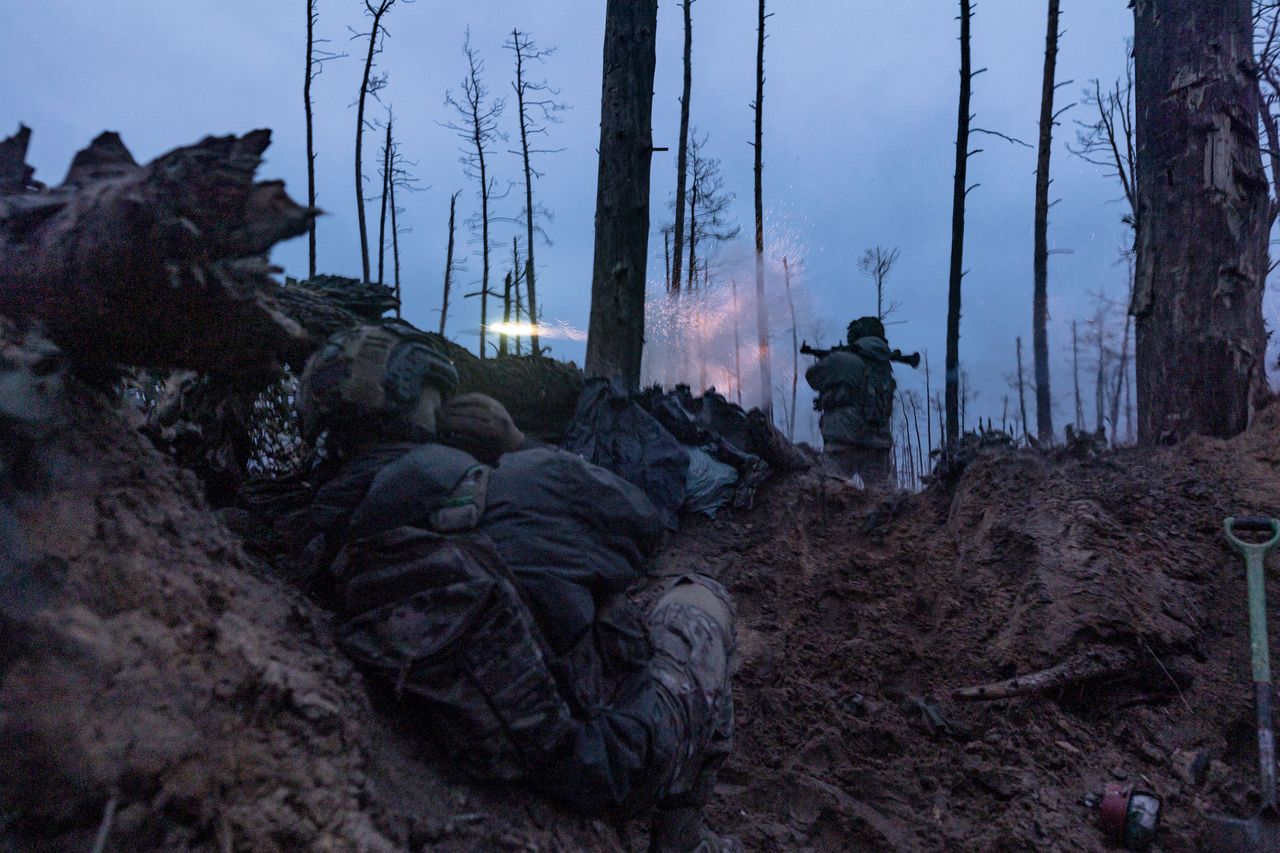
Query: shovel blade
x=1259 y=834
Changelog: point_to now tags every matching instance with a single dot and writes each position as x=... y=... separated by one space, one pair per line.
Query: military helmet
x=866 y=327
x=388 y=379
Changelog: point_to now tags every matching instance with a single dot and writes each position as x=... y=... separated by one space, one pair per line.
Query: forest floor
x=176 y=695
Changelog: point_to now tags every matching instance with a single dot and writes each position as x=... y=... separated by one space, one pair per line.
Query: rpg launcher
x=912 y=360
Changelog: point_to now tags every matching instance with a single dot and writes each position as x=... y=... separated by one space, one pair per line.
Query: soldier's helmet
x=866 y=327
x=385 y=381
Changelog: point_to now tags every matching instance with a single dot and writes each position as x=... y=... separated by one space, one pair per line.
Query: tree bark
x=1202 y=220
x=126 y=264
x=382 y=216
x=795 y=352
x=448 y=263
x=615 y=337
x=762 y=308
x=1075 y=372
x=395 y=233
x=529 y=271
x=1040 y=263
x=682 y=149
x=957 y=234
x=364 y=90
x=311 y=151
x=1022 y=397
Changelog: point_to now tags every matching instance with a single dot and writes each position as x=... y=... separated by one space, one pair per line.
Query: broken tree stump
x=157 y=265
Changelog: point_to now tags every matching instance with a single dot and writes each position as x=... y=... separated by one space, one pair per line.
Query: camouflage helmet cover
x=866 y=327
x=388 y=377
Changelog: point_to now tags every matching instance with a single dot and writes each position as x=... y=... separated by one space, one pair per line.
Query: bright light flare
x=555 y=330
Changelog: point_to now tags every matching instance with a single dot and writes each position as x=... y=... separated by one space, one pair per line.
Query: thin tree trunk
x=529 y=266
x=795 y=351
x=519 y=318
x=959 y=192
x=762 y=309
x=692 y=279
x=666 y=255
x=448 y=263
x=682 y=150
x=1075 y=371
x=1202 y=220
x=364 y=90
x=395 y=236
x=1100 y=386
x=928 y=401
x=1040 y=301
x=920 y=454
x=506 y=314
x=615 y=336
x=382 y=217
x=1122 y=371
x=311 y=151
x=737 y=348
x=1022 y=396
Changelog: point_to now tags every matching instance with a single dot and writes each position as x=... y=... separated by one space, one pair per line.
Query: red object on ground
x=1115 y=808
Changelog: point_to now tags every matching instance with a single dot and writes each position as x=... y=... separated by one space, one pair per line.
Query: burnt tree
x=1040 y=255
x=369 y=85
x=477 y=127
x=1202 y=212
x=682 y=149
x=960 y=190
x=615 y=337
x=448 y=262
x=762 y=308
x=536 y=108
x=316 y=58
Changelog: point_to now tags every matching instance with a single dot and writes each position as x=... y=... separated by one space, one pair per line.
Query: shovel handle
x=1254 y=556
x=1253 y=523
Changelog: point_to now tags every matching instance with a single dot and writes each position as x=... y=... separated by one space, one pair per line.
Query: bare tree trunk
x=1122 y=373
x=1040 y=301
x=692 y=280
x=928 y=401
x=395 y=233
x=682 y=150
x=382 y=217
x=1075 y=372
x=666 y=256
x=1202 y=220
x=506 y=314
x=920 y=452
x=448 y=262
x=737 y=348
x=615 y=338
x=1022 y=396
x=519 y=318
x=311 y=150
x=382 y=8
x=795 y=351
x=529 y=272
x=960 y=190
x=1100 y=386
x=762 y=308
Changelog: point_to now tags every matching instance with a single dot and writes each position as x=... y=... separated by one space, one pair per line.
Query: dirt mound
x=175 y=694
x=860 y=615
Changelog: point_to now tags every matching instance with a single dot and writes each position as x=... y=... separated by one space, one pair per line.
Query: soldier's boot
x=677 y=825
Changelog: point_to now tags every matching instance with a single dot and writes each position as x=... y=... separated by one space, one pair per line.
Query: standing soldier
x=855 y=395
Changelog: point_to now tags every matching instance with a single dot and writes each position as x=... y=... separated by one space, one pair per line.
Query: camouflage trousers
x=442 y=623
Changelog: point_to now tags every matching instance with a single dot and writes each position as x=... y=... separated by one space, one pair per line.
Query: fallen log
x=162 y=265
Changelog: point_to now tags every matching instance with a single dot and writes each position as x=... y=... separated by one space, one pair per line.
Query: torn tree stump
x=158 y=265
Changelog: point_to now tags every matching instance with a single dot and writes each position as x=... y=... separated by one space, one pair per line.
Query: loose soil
x=179 y=693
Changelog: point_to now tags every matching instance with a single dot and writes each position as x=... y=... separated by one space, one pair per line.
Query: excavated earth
x=173 y=693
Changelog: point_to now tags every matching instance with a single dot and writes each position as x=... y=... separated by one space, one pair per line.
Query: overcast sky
x=858 y=141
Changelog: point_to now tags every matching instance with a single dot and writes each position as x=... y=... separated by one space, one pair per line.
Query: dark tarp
x=611 y=429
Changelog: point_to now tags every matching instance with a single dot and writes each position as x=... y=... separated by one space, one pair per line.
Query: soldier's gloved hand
x=479 y=425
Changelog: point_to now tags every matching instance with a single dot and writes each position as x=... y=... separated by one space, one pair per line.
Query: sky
x=859 y=129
